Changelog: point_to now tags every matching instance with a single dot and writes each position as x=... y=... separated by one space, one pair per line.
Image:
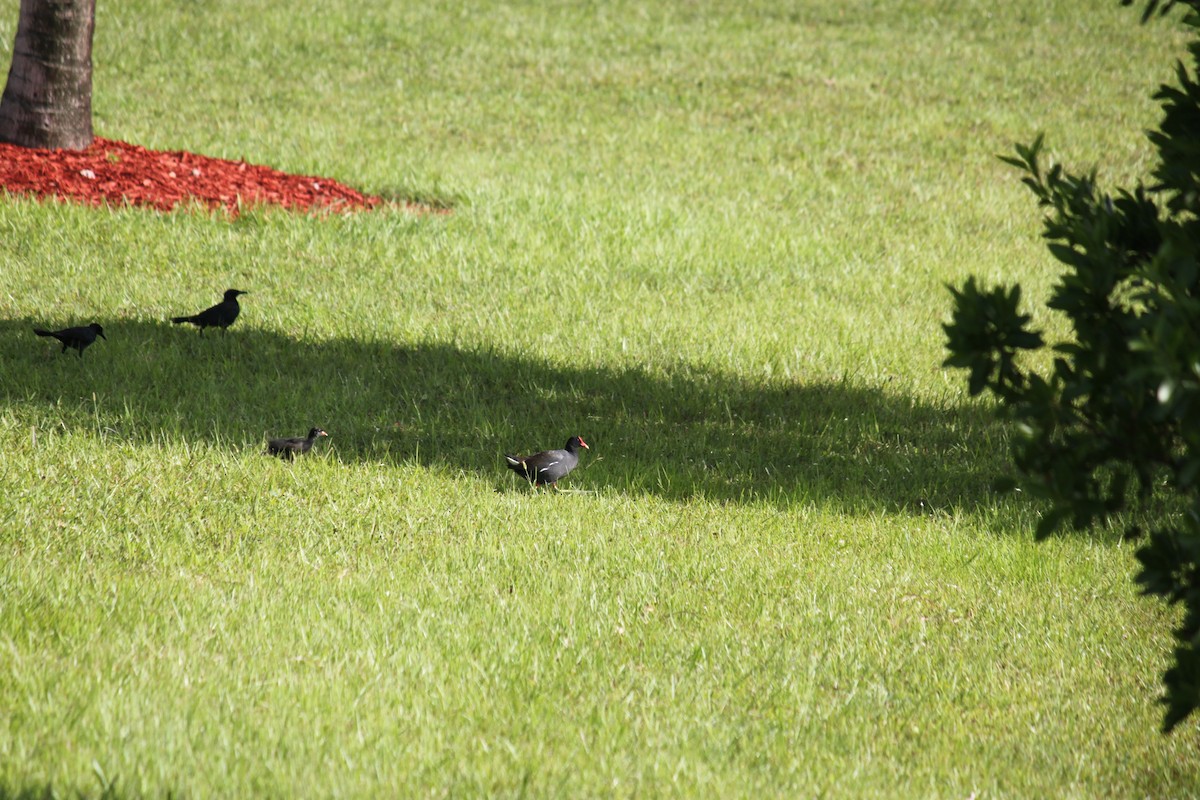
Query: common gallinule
x=548 y=466
x=297 y=445
x=221 y=315
x=79 y=338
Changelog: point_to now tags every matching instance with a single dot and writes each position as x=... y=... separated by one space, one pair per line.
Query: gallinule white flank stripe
x=548 y=466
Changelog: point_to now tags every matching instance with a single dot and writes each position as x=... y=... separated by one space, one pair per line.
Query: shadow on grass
x=50 y=792
x=677 y=433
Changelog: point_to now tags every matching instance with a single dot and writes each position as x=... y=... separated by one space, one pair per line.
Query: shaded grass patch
x=678 y=432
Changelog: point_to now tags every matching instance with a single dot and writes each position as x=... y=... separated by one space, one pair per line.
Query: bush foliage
x=1113 y=425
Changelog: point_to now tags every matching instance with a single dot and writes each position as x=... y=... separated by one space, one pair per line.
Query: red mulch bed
x=116 y=173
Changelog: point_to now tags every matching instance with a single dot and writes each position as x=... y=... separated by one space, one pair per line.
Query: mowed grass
x=712 y=240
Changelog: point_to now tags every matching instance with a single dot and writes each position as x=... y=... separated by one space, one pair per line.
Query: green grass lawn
x=712 y=239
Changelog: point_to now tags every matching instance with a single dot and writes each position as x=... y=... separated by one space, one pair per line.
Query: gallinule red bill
x=220 y=316
x=79 y=338
x=297 y=445
x=548 y=466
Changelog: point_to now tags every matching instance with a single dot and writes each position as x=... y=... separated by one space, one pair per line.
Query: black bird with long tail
x=220 y=316
x=79 y=338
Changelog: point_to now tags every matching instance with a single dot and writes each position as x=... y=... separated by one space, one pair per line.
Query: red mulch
x=115 y=173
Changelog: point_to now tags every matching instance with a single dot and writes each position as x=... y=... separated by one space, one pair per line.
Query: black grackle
x=79 y=338
x=220 y=316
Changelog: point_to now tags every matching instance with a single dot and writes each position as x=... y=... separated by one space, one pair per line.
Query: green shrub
x=1114 y=423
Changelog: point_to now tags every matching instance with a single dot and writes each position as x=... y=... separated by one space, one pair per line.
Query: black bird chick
x=297 y=445
x=548 y=466
x=220 y=316
x=79 y=338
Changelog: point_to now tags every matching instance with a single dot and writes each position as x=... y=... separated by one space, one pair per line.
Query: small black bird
x=79 y=338
x=297 y=445
x=220 y=316
x=548 y=466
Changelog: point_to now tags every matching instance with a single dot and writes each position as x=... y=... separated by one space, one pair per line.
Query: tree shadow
x=677 y=433
x=48 y=791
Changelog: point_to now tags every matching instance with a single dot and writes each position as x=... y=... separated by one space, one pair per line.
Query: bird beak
x=102 y=336
x=584 y=444
x=322 y=433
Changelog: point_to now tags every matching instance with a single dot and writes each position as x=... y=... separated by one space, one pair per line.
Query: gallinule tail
x=297 y=445
x=548 y=466
x=79 y=338
x=221 y=315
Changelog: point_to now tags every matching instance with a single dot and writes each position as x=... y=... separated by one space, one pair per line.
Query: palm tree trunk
x=47 y=101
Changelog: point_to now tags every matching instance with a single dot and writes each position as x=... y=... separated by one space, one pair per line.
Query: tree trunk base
x=47 y=101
